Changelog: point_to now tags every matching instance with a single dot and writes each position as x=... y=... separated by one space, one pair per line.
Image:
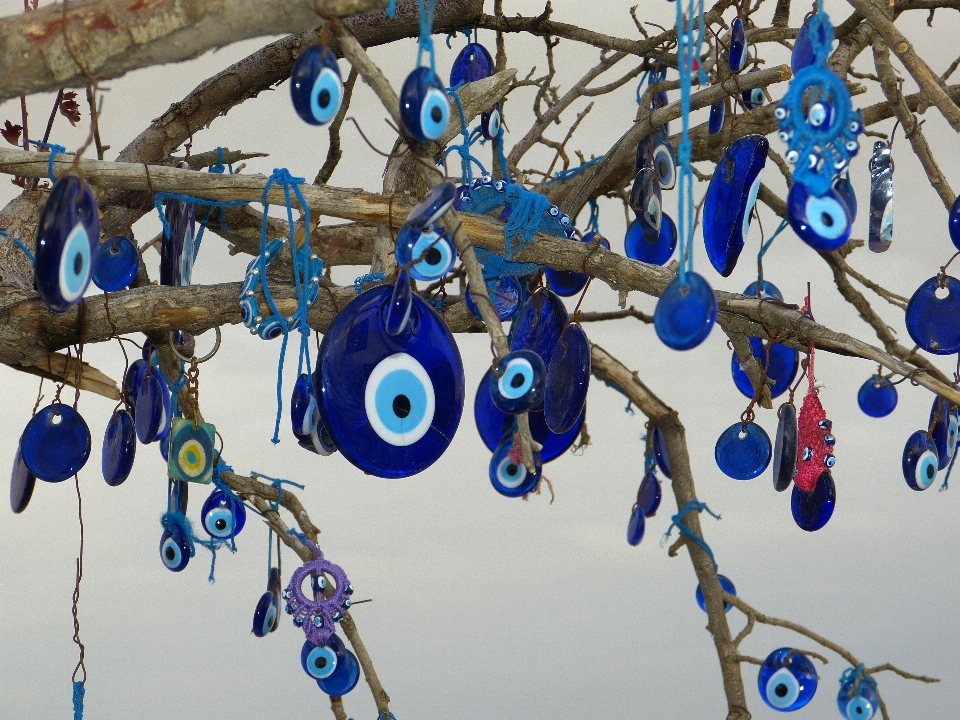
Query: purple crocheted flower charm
x=318 y=616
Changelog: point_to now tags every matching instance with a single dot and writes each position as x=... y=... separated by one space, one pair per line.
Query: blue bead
x=660 y=450
x=433 y=207
x=390 y=403
x=803 y=54
x=718 y=113
x=424 y=108
x=649 y=494
x=538 y=325
x=222 y=516
x=68 y=234
x=877 y=397
x=150 y=408
x=302 y=405
x=22 y=482
x=730 y=199
x=132 y=381
x=641 y=244
x=812 y=510
x=176 y=251
x=517 y=382
x=785 y=448
x=881 y=197
x=787 y=680
x=429 y=254
x=118 y=261
x=769 y=291
x=636 y=526
x=568 y=378
x=728 y=587
x=490 y=122
x=934 y=322
x=174 y=549
x=316 y=87
x=920 y=461
x=646 y=203
x=322 y=661
x=738 y=45
x=781 y=367
x=941 y=422
x=504 y=292
x=753 y=98
x=664 y=160
x=119 y=447
x=56 y=443
x=471 y=64
x=953 y=224
x=685 y=314
x=858 y=701
x=345 y=679
x=265 y=615
x=401 y=303
x=844 y=188
x=823 y=223
x=743 y=452
x=508 y=475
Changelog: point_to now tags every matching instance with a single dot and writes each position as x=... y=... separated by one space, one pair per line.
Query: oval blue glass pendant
x=802 y=55
x=953 y=224
x=56 y=443
x=728 y=587
x=302 y=405
x=769 y=290
x=730 y=199
x=785 y=448
x=538 y=325
x=192 y=452
x=429 y=254
x=424 y=109
x=636 y=526
x=345 y=679
x=660 y=451
x=174 y=549
x=753 y=98
x=567 y=283
x=649 y=494
x=390 y=403
x=718 y=113
x=119 y=447
x=877 y=397
x=858 y=698
x=22 y=482
x=266 y=614
x=508 y=474
x=490 y=122
x=433 y=207
x=68 y=234
x=943 y=431
x=637 y=245
x=824 y=222
x=743 y=452
x=812 y=510
x=881 y=197
x=517 y=382
x=471 y=64
x=222 y=516
x=664 y=160
x=738 y=45
x=322 y=661
x=685 y=314
x=149 y=409
x=920 y=461
x=781 y=367
x=118 y=261
x=646 y=203
x=934 y=322
x=504 y=292
x=787 y=680
x=568 y=379
x=316 y=87
x=132 y=381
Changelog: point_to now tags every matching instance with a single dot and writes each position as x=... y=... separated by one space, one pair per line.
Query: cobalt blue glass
x=858 y=698
x=567 y=283
x=844 y=188
x=316 y=87
x=428 y=254
x=769 y=291
x=22 y=482
x=176 y=250
x=508 y=475
x=265 y=615
x=877 y=397
x=718 y=113
x=132 y=382
x=728 y=587
x=787 y=680
x=738 y=45
x=56 y=443
x=390 y=403
x=119 y=448
x=953 y=224
x=743 y=452
x=881 y=197
x=781 y=367
x=302 y=404
x=636 y=526
x=730 y=199
x=664 y=160
x=433 y=207
x=322 y=661
x=401 y=303
x=934 y=322
x=222 y=516
x=471 y=64
x=823 y=223
x=785 y=448
x=538 y=325
x=660 y=450
x=685 y=314
x=753 y=98
x=68 y=234
x=490 y=122
x=174 y=549
x=424 y=109
x=920 y=461
x=646 y=204
x=648 y=496
x=517 y=382
x=803 y=54
x=343 y=681
x=812 y=510
x=943 y=431
x=504 y=292
x=118 y=261
x=568 y=379
x=149 y=409
x=637 y=244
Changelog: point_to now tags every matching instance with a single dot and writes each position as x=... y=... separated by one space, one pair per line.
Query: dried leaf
x=69 y=108
x=11 y=133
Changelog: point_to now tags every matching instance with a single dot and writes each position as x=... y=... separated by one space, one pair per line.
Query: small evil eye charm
x=192 y=452
x=858 y=698
x=728 y=587
x=920 y=461
x=68 y=235
x=266 y=614
x=787 y=680
x=933 y=315
x=424 y=108
x=316 y=87
x=302 y=405
x=322 y=661
x=490 y=122
x=753 y=98
x=517 y=382
x=738 y=45
x=646 y=203
x=222 y=516
x=433 y=207
x=174 y=549
x=824 y=222
x=508 y=474
x=428 y=253
x=664 y=160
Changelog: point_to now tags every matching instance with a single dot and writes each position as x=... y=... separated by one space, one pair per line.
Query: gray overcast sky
x=485 y=607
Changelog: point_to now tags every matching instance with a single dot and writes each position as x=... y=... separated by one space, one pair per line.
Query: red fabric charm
x=812 y=427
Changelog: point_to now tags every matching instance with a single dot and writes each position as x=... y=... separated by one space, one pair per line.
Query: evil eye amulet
x=933 y=321
x=504 y=293
x=728 y=587
x=509 y=475
x=266 y=614
x=316 y=87
x=491 y=122
x=653 y=248
x=824 y=222
x=857 y=701
x=877 y=397
x=685 y=313
x=943 y=430
x=56 y=443
x=517 y=382
x=743 y=452
x=424 y=108
x=664 y=160
x=390 y=403
x=636 y=526
x=538 y=325
x=222 y=516
x=118 y=261
x=787 y=680
x=472 y=63
x=119 y=448
x=753 y=98
x=920 y=461
x=738 y=45
x=322 y=661
x=68 y=235
x=433 y=207
x=785 y=448
x=428 y=253
x=191 y=454
x=174 y=549
x=646 y=203
x=345 y=679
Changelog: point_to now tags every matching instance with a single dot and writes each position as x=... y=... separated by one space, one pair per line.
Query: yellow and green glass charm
x=192 y=453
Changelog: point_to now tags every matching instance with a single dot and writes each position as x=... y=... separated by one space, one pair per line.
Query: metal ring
x=206 y=357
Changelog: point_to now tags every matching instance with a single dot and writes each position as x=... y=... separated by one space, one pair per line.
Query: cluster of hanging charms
x=648 y=494
x=779 y=362
x=930 y=451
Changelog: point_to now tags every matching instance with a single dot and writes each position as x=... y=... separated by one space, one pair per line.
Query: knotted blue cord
x=851 y=674
x=278 y=483
x=160 y=197
x=78 y=693
x=392 y=9
x=217 y=169
x=468 y=139
x=26 y=250
x=763 y=251
x=684 y=530
x=571 y=172
x=368 y=279
x=54 y=149
x=495 y=265
x=593 y=224
x=528 y=209
x=425 y=42
x=297 y=534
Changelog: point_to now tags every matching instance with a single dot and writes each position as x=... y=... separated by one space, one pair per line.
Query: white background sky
x=485 y=607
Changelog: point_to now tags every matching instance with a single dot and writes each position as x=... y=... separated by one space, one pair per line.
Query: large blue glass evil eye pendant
x=517 y=382
x=424 y=108
x=685 y=312
x=192 y=453
x=822 y=222
x=68 y=235
x=316 y=87
x=222 y=516
x=881 y=197
x=787 y=680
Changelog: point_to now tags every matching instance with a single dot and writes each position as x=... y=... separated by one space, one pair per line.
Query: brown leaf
x=69 y=108
x=11 y=133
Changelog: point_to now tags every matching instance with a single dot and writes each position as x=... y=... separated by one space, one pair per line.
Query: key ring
x=206 y=357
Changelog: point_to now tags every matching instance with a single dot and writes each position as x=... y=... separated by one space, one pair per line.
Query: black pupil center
x=780 y=690
x=511 y=469
x=663 y=168
x=432 y=256
x=436 y=114
x=221 y=524
x=517 y=381
x=321 y=663
x=77 y=263
x=827 y=220
x=930 y=471
x=324 y=98
x=401 y=406
x=170 y=553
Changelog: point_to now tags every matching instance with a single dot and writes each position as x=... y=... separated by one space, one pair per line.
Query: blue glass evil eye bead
x=645 y=202
x=920 y=461
x=568 y=379
x=22 y=482
x=429 y=254
x=118 y=261
x=471 y=64
x=424 y=108
x=753 y=98
x=812 y=510
x=390 y=403
x=132 y=382
x=728 y=587
x=787 y=680
x=877 y=397
x=636 y=526
x=491 y=121
x=685 y=314
x=844 y=188
x=649 y=494
x=265 y=615
x=517 y=382
x=803 y=54
x=509 y=475
x=858 y=698
x=538 y=325
x=176 y=248
x=345 y=679
x=68 y=235
x=718 y=113
x=222 y=516
x=823 y=223
x=643 y=245
x=941 y=421
x=933 y=321
x=302 y=405
x=743 y=452
x=881 y=197
x=174 y=549
x=56 y=443
x=785 y=448
x=768 y=290
x=782 y=366
x=433 y=207
x=316 y=87
x=664 y=160
x=322 y=661
x=730 y=199
x=738 y=45
x=953 y=224
x=119 y=447
x=505 y=294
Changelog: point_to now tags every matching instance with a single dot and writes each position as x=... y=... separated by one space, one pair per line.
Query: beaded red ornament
x=815 y=439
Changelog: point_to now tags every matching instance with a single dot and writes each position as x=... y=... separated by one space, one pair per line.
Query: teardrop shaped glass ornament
x=119 y=448
x=222 y=516
x=812 y=510
x=149 y=412
x=685 y=313
x=743 y=452
x=636 y=526
x=568 y=378
x=738 y=45
x=660 y=451
x=920 y=461
x=504 y=292
x=118 y=261
x=823 y=223
x=787 y=680
x=471 y=64
x=316 y=87
x=785 y=448
x=649 y=494
x=56 y=443
x=645 y=201
x=429 y=253
x=174 y=549
x=877 y=397
x=424 y=108
x=940 y=431
x=517 y=382
x=803 y=54
x=538 y=325
x=266 y=614
x=934 y=321
x=782 y=367
x=638 y=247
x=728 y=587
x=881 y=197
x=718 y=113
x=953 y=224
x=508 y=475
x=401 y=302
x=769 y=290
x=22 y=482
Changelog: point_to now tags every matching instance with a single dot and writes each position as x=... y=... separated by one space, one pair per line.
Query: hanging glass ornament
x=636 y=526
x=649 y=493
x=728 y=587
x=346 y=670
x=472 y=63
x=664 y=159
x=920 y=461
x=660 y=450
x=177 y=246
x=424 y=108
x=132 y=381
x=567 y=283
x=434 y=206
x=766 y=290
x=787 y=680
x=844 y=189
x=815 y=440
x=858 y=698
x=517 y=382
x=685 y=312
x=803 y=54
x=322 y=661
x=785 y=447
x=316 y=86
x=637 y=245
x=933 y=315
x=567 y=381
x=55 y=444
x=174 y=549
x=823 y=222
x=743 y=451
x=508 y=475
x=310 y=268
x=119 y=447
x=812 y=510
x=953 y=223
x=222 y=515
x=738 y=45
x=755 y=98
x=718 y=113
x=192 y=454
x=505 y=294
x=881 y=197
x=646 y=203
x=429 y=253
x=781 y=365
x=152 y=408
x=118 y=261
x=267 y=613
x=538 y=325
x=877 y=396
x=22 y=482
x=943 y=431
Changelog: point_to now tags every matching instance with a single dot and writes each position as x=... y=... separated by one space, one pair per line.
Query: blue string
x=297 y=534
x=369 y=278
x=946 y=478
x=763 y=251
x=495 y=265
x=593 y=224
x=385 y=714
x=278 y=483
x=684 y=530
x=54 y=149
x=468 y=139
x=160 y=197
x=571 y=172
x=78 y=693
x=528 y=209
x=850 y=675
x=392 y=9
x=26 y=250
x=425 y=42
x=217 y=169
x=628 y=409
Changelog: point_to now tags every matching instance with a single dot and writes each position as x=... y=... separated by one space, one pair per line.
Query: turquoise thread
x=54 y=150
x=699 y=507
x=425 y=42
x=78 y=692
x=368 y=279
x=528 y=209
x=763 y=251
x=572 y=172
x=26 y=250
